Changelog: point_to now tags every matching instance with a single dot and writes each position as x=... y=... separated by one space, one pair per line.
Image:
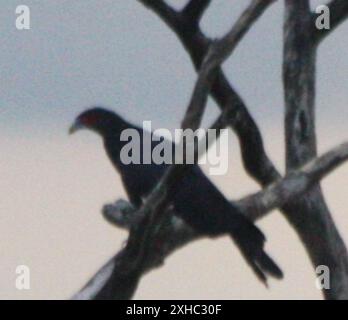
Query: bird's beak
x=77 y=125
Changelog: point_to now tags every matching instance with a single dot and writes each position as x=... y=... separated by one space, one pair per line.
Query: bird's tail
x=250 y=241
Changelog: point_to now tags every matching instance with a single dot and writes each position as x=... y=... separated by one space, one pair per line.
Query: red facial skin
x=88 y=120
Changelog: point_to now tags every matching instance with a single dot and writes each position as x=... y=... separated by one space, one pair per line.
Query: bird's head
x=99 y=120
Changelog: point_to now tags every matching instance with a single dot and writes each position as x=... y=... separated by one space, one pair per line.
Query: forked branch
x=194 y=10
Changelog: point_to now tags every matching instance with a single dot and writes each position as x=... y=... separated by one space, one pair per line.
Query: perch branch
x=174 y=233
x=294 y=184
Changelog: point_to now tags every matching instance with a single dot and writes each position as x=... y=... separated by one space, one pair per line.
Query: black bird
x=195 y=199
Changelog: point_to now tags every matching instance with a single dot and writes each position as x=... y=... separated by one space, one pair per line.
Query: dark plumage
x=195 y=199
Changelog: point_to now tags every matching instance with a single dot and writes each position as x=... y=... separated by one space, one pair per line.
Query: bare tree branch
x=309 y=215
x=299 y=84
x=174 y=233
x=163 y=10
x=294 y=184
x=338 y=13
x=218 y=52
x=111 y=281
x=255 y=159
x=194 y=10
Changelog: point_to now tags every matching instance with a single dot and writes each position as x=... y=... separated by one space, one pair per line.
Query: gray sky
x=116 y=53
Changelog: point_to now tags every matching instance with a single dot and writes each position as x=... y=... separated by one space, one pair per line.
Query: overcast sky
x=118 y=54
